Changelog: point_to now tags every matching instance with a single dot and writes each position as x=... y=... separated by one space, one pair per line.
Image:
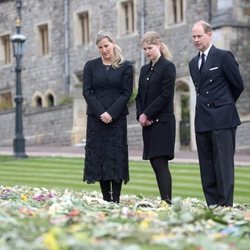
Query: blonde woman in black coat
x=107 y=87
x=154 y=104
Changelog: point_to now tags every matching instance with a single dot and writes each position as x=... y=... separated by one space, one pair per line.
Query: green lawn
x=62 y=172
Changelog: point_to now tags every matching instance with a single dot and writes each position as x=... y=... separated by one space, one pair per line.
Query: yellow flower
x=145 y=224
x=160 y=236
x=164 y=205
x=50 y=241
x=218 y=236
x=24 y=197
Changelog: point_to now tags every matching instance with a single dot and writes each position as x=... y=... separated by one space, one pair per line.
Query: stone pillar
x=177 y=111
x=79 y=116
x=192 y=114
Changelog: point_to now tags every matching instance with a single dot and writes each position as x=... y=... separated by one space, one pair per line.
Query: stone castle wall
x=43 y=73
x=42 y=126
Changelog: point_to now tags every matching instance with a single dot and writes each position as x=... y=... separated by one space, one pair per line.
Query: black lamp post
x=18 y=41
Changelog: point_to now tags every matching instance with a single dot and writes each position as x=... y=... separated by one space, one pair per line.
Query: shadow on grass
x=6 y=158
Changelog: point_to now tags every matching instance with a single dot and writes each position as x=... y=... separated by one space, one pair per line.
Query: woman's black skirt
x=106 y=151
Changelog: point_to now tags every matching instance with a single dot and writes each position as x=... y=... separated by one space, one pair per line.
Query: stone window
x=43 y=32
x=5 y=49
x=37 y=101
x=174 y=11
x=126 y=17
x=5 y=100
x=49 y=100
x=83 y=23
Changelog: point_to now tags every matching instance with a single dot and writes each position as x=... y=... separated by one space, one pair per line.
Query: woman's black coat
x=107 y=90
x=155 y=99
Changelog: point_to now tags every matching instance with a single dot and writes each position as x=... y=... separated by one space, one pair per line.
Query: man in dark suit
x=218 y=85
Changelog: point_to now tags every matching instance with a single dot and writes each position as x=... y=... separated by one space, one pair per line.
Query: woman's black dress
x=106 y=151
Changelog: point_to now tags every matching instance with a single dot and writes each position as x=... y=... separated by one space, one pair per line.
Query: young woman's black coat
x=155 y=99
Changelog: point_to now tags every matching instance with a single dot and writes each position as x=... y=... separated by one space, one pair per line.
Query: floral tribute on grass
x=38 y=218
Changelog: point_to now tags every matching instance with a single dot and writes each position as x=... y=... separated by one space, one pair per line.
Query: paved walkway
x=78 y=151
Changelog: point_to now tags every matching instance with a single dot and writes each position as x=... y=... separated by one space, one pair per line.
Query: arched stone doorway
x=184 y=107
x=182 y=113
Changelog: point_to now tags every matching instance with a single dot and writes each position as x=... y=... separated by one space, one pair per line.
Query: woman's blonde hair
x=117 y=58
x=152 y=37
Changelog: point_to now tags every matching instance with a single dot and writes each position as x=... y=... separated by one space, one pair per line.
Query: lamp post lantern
x=18 y=41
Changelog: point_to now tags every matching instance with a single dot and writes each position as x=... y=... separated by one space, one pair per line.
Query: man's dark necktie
x=202 y=61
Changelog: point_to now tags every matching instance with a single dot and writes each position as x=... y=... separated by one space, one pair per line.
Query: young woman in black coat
x=155 y=112
x=107 y=87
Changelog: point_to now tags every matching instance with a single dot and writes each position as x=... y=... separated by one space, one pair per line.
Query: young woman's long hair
x=152 y=37
x=117 y=58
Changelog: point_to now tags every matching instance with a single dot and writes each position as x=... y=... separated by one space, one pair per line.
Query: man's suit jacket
x=107 y=89
x=218 y=87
